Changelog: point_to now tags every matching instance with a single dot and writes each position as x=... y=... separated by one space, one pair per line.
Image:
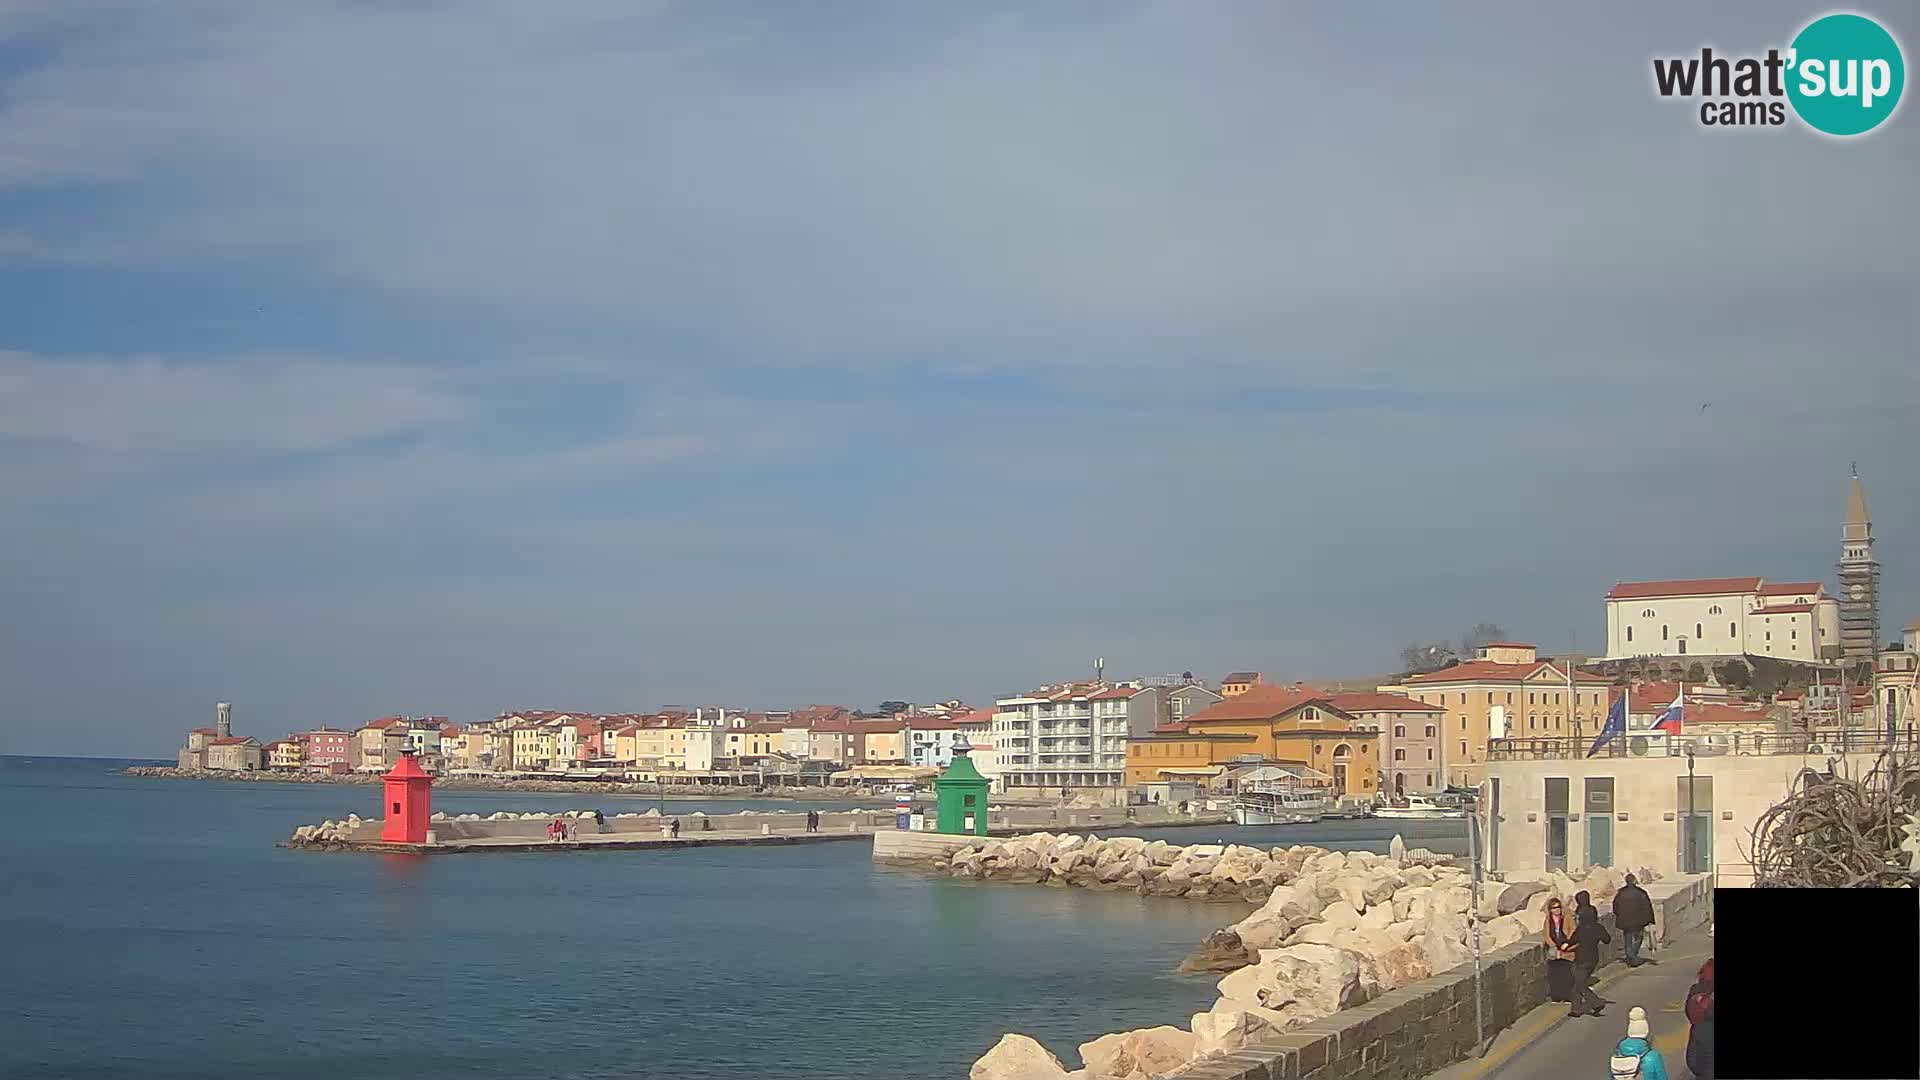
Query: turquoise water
x=151 y=929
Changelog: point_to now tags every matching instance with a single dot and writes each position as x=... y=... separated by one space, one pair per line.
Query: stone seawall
x=1353 y=961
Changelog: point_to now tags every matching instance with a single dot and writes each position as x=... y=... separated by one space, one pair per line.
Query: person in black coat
x=1633 y=913
x=1588 y=936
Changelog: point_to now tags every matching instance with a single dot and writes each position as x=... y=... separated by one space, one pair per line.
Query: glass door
x=1556 y=822
x=1599 y=811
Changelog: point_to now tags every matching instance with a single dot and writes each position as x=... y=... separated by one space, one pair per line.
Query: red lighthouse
x=409 y=802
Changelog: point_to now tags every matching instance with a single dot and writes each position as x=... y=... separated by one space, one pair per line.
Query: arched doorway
x=1341 y=756
x=1399 y=783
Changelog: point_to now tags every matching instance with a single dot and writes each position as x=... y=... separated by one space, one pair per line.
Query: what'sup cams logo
x=1842 y=76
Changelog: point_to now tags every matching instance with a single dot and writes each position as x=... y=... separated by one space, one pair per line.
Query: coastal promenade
x=1546 y=1044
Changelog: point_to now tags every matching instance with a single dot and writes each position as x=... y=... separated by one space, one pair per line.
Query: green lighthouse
x=960 y=798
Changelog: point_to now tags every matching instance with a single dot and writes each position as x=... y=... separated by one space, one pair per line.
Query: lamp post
x=1688 y=847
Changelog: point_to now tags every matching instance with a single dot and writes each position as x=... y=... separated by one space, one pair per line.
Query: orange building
x=1276 y=724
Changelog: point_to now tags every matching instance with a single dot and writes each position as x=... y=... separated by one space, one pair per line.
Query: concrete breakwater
x=1333 y=931
x=507 y=825
x=636 y=789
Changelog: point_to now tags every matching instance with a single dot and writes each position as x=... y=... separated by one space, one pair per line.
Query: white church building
x=1723 y=617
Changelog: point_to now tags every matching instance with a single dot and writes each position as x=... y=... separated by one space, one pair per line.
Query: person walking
x=673 y=829
x=1633 y=913
x=1700 y=1023
x=1634 y=1056
x=1559 y=937
x=1588 y=936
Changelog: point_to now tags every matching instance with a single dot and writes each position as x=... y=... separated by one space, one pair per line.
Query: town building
x=1703 y=620
x=1505 y=690
x=1409 y=733
x=377 y=746
x=931 y=741
x=194 y=755
x=1239 y=683
x=284 y=755
x=233 y=753
x=1070 y=736
x=1894 y=677
x=1267 y=725
x=1642 y=802
x=327 y=749
x=881 y=742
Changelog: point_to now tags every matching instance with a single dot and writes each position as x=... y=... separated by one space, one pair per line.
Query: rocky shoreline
x=1332 y=931
x=584 y=787
x=331 y=834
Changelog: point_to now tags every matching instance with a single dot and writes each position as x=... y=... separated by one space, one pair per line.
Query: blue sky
x=359 y=359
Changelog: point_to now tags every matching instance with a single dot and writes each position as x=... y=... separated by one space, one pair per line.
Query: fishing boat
x=1266 y=806
x=1419 y=808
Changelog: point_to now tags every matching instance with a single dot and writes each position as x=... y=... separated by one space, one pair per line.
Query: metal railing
x=1646 y=745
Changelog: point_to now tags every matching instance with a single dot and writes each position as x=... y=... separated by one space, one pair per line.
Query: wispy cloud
x=262 y=404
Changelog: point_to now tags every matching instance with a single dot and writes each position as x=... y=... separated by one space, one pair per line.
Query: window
x=1489 y=697
x=1697 y=632
x=1769 y=635
x=1647 y=614
x=1463 y=723
x=1730 y=631
x=1429 y=758
x=1509 y=697
x=1531 y=701
x=1715 y=610
x=1463 y=748
x=1463 y=699
x=1399 y=754
x=1530 y=722
x=1399 y=731
x=1663 y=631
x=1431 y=731
x=1629 y=633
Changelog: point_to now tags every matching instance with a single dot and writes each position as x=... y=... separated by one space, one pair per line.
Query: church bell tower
x=1859 y=579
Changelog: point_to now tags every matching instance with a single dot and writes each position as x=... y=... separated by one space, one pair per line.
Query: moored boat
x=1419 y=808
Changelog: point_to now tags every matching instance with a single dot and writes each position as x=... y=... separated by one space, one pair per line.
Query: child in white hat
x=1634 y=1056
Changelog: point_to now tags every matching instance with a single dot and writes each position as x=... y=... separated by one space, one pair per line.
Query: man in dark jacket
x=1633 y=913
x=1588 y=936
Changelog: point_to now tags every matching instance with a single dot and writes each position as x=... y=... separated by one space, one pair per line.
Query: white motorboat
x=1418 y=808
x=1268 y=807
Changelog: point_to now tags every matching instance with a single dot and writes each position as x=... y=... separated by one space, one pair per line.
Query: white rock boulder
x=1137 y=1055
x=1017 y=1057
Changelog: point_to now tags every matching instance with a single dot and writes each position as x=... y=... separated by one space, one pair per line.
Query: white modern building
x=1074 y=735
x=1723 y=617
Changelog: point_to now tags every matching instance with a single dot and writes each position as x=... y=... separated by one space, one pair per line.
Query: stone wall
x=1425 y=1026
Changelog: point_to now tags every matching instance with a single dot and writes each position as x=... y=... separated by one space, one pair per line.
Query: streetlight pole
x=1689 y=847
x=1473 y=919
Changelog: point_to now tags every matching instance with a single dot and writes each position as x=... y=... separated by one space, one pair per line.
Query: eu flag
x=1615 y=726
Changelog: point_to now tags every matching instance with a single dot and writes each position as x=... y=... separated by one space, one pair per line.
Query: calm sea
x=151 y=929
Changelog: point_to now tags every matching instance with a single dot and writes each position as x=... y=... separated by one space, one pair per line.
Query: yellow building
x=759 y=740
x=1507 y=692
x=534 y=747
x=285 y=754
x=1295 y=725
x=882 y=743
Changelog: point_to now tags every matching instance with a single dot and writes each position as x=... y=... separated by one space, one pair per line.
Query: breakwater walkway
x=504 y=831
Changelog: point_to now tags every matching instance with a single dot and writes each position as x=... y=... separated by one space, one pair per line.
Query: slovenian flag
x=1615 y=726
x=1670 y=720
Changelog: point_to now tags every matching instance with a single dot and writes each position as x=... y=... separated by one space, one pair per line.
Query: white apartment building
x=1723 y=617
x=1072 y=735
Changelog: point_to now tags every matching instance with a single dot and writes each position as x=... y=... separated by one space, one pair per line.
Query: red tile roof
x=233 y=740
x=1489 y=671
x=1790 y=588
x=1112 y=692
x=976 y=718
x=1784 y=609
x=205 y=731
x=1647 y=590
x=1359 y=703
x=1260 y=703
x=1715 y=713
x=931 y=723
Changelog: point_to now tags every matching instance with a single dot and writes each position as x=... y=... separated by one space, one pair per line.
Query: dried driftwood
x=1836 y=831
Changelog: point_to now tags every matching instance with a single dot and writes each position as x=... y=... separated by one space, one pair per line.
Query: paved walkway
x=1546 y=1044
